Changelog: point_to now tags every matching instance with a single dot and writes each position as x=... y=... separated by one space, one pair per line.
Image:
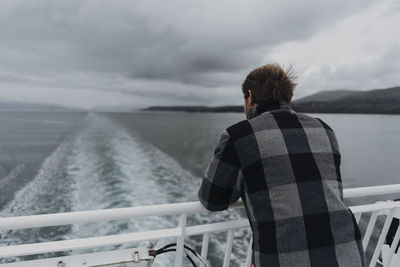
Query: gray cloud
x=379 y=73
x=128 y=46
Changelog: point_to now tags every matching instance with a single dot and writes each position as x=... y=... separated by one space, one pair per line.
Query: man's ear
x=250 y=98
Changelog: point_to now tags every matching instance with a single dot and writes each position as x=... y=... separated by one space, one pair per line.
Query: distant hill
x=379 y=101
x=14 y=106
x=326 y=96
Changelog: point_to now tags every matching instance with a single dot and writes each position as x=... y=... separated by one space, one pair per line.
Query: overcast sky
x=141 y=53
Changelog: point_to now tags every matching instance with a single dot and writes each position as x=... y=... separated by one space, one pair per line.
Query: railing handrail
x=371 y=191
x=76 y=217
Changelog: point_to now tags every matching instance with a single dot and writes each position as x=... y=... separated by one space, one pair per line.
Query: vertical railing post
x=382 y=237
x=228 y=250
x=180 y=240
x=358 y=217
x=370 y=227
x=204 y=247
x=249 y=252
x=395 y=241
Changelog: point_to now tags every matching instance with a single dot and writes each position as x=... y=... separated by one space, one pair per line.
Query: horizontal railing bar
x=44 y=220
x=63 y=245
x=371 y=191
x=83 y=243
x=217 y=227
x=88 y=259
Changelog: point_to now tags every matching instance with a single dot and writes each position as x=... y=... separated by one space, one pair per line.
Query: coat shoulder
x=239 y=129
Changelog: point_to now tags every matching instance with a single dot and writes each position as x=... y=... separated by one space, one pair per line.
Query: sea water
x=75 y=161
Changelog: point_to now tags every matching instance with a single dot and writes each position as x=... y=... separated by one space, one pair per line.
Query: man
x=286 y=168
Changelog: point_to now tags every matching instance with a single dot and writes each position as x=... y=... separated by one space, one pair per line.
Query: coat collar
x=269 y=105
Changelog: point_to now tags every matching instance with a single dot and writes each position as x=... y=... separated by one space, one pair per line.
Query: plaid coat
x=286 y=168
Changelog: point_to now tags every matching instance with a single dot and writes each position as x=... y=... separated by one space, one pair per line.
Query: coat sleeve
x=337 y=158
x=221 y=185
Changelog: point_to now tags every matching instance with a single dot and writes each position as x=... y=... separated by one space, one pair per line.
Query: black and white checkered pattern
x=286 y=168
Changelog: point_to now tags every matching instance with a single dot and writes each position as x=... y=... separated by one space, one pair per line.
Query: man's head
x=268 y=82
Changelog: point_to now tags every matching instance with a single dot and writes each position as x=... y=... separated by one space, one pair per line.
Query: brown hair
x=269 y=82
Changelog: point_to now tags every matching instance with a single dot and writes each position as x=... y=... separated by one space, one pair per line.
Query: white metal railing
x=388 y=209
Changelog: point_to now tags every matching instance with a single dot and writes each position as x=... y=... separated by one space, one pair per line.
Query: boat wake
x=102 y=166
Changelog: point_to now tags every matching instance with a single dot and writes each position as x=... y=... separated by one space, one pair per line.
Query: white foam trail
x=29 y=199
x=45 y=193
x=111 y=169
x=12 y=175
x=103 y=167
